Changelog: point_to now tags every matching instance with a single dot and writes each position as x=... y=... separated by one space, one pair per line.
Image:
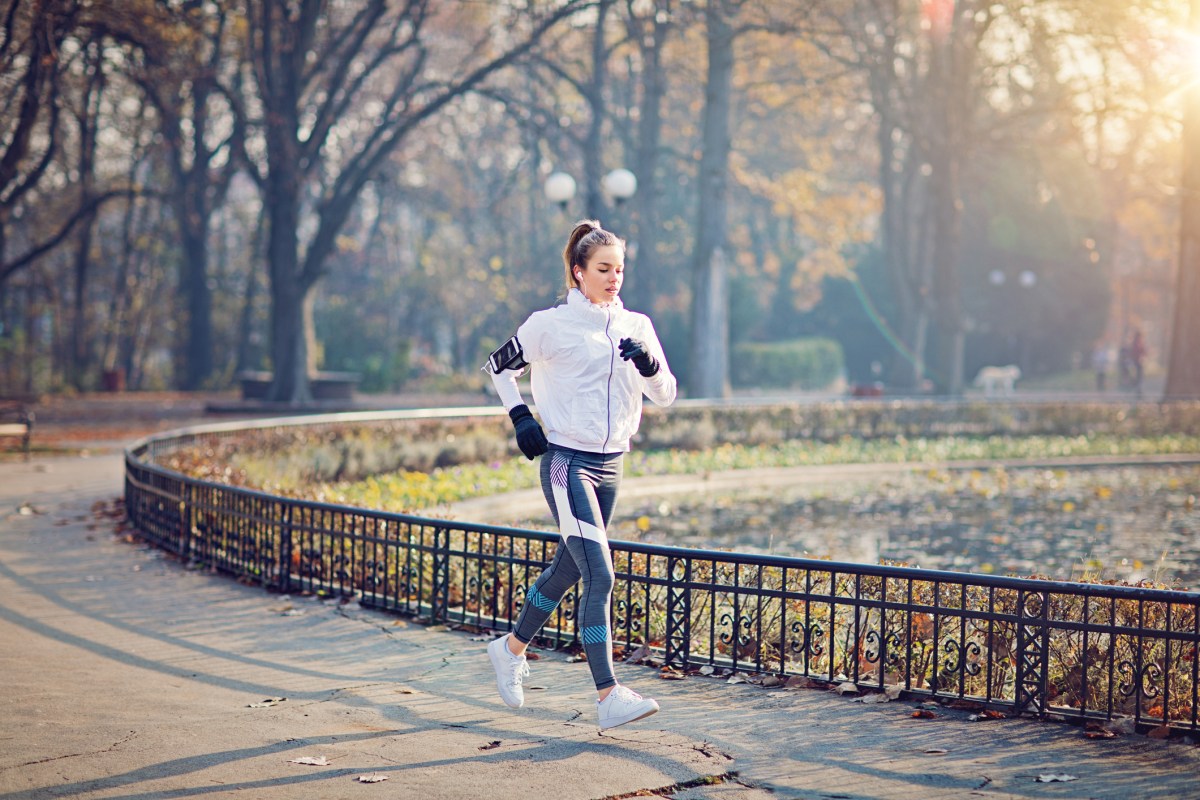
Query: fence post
x=186 y=520
x=440 y=591
x=679 y=611
x=1033 y=638
x=284 y=581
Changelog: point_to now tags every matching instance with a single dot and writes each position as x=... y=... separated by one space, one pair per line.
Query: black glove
x=632 y=349
x=530 y=438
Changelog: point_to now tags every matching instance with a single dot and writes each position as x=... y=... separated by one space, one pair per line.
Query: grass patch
x=406 y=491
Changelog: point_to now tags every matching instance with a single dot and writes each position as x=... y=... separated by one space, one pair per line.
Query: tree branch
x=85 y=209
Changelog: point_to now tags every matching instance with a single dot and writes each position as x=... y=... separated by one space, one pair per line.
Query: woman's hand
x=636 y=351
x=530 y=437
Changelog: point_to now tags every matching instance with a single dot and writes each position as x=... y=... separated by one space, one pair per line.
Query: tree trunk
x=245 y=354
x=945 y=137
x=1183 y=366
x=593 y=200
x=644 y=280
x=289 y=345
x=198 y=344
x=709 y=369
x=80 y=339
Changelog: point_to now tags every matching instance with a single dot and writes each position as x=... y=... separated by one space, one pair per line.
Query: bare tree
x=340 y=89
x=194 y=90
x=725 y=21
x=32 y=70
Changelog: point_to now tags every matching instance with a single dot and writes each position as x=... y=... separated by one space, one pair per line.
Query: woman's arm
x=661 y=387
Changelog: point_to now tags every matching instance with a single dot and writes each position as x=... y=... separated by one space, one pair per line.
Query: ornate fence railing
x=1079 y=651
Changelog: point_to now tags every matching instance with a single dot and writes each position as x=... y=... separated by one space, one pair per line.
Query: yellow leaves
x=1156 y=234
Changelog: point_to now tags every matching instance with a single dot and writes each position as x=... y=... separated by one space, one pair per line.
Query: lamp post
x=560 y=189
x=1026 y=279
x=620 y=184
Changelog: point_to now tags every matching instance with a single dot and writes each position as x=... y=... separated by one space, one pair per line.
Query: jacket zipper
x=612 y=355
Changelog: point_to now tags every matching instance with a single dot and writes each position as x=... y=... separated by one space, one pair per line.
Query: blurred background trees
x=192 y=188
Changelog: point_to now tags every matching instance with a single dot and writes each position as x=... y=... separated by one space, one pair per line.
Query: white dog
x=998 y=381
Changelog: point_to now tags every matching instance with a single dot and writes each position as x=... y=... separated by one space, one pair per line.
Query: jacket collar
x=586 y=309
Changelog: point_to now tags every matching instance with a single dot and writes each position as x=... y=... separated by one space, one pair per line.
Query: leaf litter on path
x=267 y=703
x=374 y=777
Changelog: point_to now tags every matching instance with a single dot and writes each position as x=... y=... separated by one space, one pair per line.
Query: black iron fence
x=1079 y=651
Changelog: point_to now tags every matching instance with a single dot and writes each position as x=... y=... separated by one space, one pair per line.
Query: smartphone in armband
x=507 y=356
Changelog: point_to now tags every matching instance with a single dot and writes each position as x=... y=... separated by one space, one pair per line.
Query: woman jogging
x=591 y=360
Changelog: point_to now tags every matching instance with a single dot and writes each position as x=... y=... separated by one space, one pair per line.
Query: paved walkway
x=128 y=675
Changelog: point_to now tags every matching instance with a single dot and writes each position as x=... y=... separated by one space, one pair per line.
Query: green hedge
x=798 y=364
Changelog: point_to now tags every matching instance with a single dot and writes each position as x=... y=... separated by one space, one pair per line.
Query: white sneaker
x=624 y=705
x=511 y=671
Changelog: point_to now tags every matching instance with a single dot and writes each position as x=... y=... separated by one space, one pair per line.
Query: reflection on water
x=1127 y=524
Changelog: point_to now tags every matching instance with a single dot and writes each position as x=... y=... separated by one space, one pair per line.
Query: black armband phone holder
x=507 y=356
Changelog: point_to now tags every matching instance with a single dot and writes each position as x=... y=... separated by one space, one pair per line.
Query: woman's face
x=601 y=278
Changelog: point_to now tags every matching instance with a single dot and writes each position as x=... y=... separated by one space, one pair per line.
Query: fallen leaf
x=312 y=761
x=671 y=675
x=492 y=745
x=936 y=751
x=986 y=715
x=1161 y=732
x=924 y=713
x=846 y=687
x=966 y=705
x=575 y=659
x=801 y=682
x=1099 y=734
x=399 y=624
x=637 y=655
x=736 y=679
x=893 y=691
x=1056 y=778
x=1123 y=725
x=873 y=698
x=374 y=777
x=771 y=681
x=707 y=669
x=270 y=701
x=437 y=628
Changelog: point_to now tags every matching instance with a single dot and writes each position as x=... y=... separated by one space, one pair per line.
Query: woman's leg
x=581 y=490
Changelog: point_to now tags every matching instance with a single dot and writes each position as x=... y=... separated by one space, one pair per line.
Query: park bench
x=323 y=385
x=16 y=422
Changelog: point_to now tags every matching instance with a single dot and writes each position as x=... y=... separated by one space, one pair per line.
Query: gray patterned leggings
x=581 y=489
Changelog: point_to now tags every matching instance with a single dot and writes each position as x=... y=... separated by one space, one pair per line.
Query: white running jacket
x=588 y=397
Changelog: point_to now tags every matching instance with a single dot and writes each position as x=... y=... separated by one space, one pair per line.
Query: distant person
x=1100 y=358
x=590 y=360
x=1137 y=357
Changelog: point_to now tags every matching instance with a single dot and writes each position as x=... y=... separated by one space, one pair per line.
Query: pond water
x=1126 y=524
